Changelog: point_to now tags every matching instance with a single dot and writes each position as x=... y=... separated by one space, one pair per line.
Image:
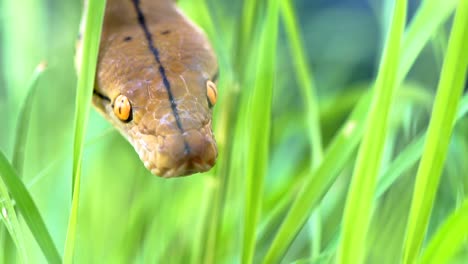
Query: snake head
x=174 y=137
x=158 y=90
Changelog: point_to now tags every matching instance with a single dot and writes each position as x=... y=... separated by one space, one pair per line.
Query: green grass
x=359 y=202
x=17 y=163
x=92 y=27
x=11 y=185
x=318 y=155
x=449 y=238
x=449 y=90
x=11 y=224
x=258 y=103
x=29 y=211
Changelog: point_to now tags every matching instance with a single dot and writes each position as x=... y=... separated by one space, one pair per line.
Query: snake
x=156 y=84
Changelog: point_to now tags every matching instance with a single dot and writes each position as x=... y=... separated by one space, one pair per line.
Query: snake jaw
x=167 y=157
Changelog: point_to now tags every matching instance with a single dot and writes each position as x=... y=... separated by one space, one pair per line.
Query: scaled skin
x=127 y=67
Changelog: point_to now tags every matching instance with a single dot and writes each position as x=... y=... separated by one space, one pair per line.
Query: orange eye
x=123 y=108
x=211 y=92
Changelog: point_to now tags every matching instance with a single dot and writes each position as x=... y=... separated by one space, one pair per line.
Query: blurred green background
x=128 y=215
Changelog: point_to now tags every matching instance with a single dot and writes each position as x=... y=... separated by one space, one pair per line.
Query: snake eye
x=123 y=108
x=211 y=92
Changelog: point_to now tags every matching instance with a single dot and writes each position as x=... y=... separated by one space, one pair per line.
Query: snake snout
x=182 y=154
x=200 y=154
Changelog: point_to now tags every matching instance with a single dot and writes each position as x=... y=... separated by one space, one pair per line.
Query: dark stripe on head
x=162 y=71
x=102 y=96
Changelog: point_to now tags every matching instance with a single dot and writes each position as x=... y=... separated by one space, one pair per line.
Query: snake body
x=155 y=83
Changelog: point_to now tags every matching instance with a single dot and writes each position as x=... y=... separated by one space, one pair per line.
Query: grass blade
x=449 y=238
x=246 y=30
x=308 y=92
x=315 y=186
x=440 y=128
x=305 y=79
x=93 y=18
x=431 y=14
x=24 y=117
x=404 y=161
x=358 y=208
x=410 y=155
x=307 y=199
x=8 y=215
x=29 y=210
x=259 y=109
x=19 y=154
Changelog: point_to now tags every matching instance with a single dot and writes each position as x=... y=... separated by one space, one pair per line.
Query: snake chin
x=178 y=155
x=183 y=170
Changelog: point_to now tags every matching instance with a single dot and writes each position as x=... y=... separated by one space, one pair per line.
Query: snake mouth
x=181 y=154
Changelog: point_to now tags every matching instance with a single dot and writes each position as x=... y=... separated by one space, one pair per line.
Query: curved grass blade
x=18 y=156
x=8 y=215
x=449 y=238
x=93 y=19
x=29 y=211
x=449 y=91
x=24 y=117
